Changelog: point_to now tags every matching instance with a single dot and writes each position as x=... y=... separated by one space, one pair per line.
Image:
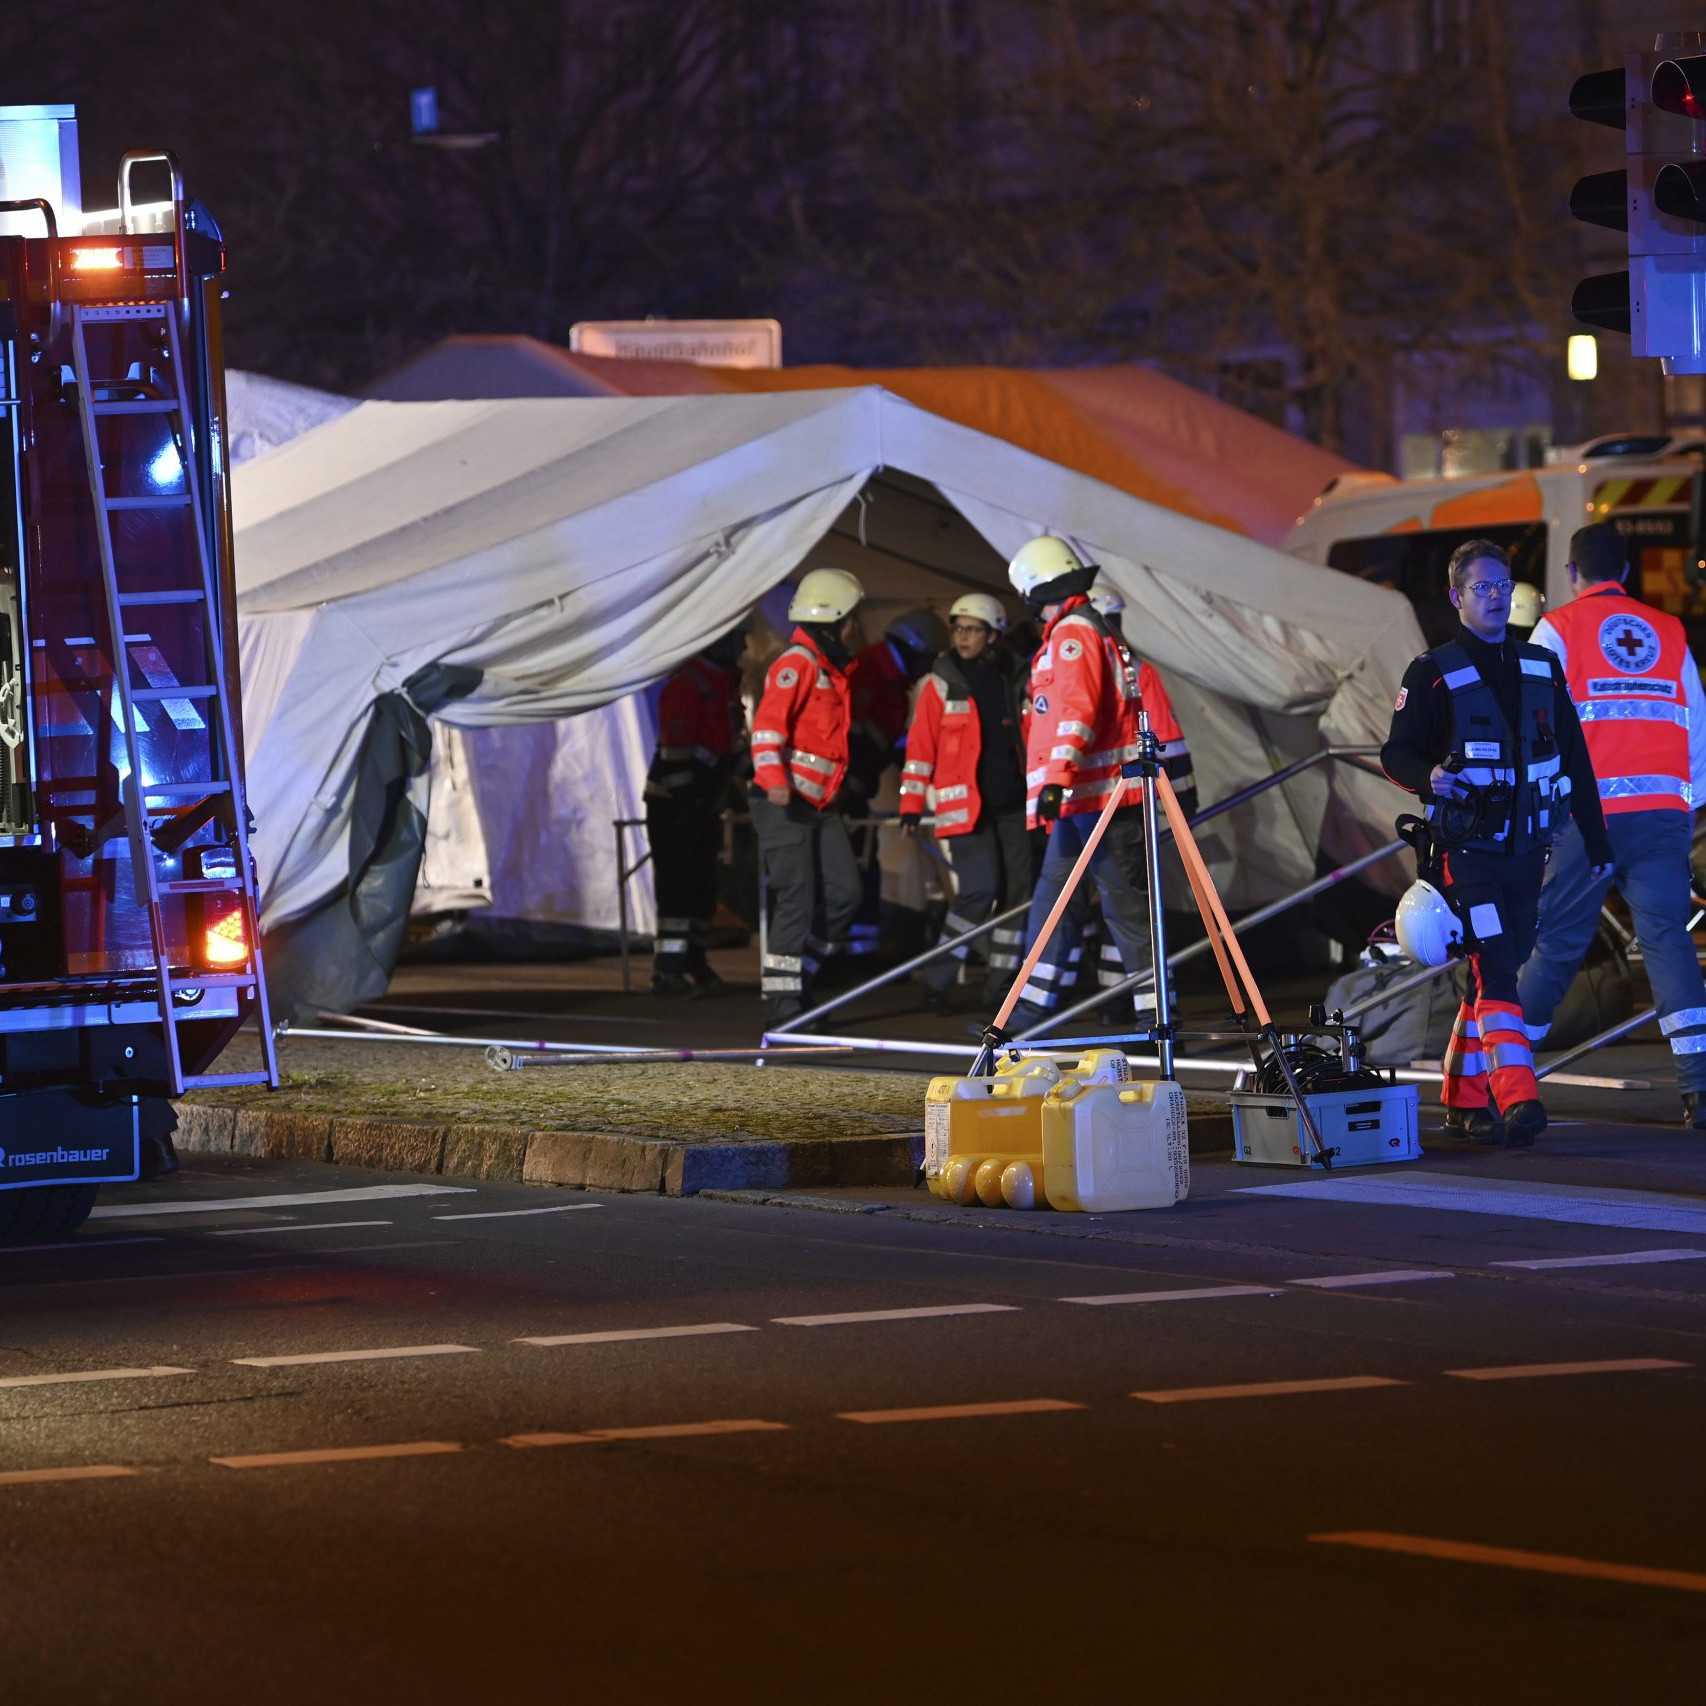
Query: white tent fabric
x=264 y=413
x=577 y=550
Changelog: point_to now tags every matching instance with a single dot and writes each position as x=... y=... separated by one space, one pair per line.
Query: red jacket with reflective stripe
x=799 y=731
x=1084 y=704
x=1623 y=661
x=698 y=716
x=943 y=746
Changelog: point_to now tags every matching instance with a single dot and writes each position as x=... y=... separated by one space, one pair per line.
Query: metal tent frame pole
x=1241 y=796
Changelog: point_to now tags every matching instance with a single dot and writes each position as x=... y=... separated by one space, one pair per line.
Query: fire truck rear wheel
x=45 y=1214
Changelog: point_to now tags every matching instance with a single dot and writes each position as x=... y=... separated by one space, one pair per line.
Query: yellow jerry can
x=983 y=1136
x=1112 y=1146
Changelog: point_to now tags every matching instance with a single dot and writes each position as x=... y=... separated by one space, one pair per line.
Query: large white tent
x=573 y=551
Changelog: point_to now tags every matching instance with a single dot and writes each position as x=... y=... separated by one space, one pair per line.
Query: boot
x=1523 y=1124
x=779 y=1009
x=1694 y=1110
x=1479 y=1126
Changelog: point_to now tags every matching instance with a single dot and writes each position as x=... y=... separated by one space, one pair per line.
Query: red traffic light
x=1679 y=86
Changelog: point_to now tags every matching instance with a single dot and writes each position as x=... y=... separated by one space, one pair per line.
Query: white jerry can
x=1112 y=1146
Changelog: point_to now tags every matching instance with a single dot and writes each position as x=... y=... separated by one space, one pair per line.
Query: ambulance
x=129 y=945
x=1401 y=533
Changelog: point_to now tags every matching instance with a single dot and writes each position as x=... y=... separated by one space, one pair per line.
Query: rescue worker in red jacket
x=1637 y=692
x=1083 y=729
x=965 y=753
x=701 y=743
x=1099 y=944
x=800 y=732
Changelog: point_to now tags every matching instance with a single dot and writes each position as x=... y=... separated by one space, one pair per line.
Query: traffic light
x=1658 y=101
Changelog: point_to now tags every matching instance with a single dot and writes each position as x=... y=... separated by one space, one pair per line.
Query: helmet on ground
x=981 y=607
x=1042 y=562
x=921 y=631
x=1528 y=605
x=1426 y=925
x=825 y=595
x=1107 y=598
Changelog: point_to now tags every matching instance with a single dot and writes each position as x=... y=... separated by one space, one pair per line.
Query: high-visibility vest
x=1521 y=797
x=1085 y=693
x=799 y=731
x=943 y=746
x=1624 y=663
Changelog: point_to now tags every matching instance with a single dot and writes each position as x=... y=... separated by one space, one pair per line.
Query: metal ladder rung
x=213 y=980
x=224 y=1080
x=138 y=406
x=149 y=694
x=189 y=595
x=173 y=500
x=202 y=885
x=112 y=313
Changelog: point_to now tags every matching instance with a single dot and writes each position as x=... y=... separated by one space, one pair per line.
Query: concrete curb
x=601 y=1161
x=598 y=1161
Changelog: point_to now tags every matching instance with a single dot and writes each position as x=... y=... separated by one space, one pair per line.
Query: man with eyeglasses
x=1638 y=694
x=1484 y=733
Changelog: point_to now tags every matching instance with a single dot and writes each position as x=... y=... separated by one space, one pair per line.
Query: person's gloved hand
x=1600 y=872
x=1049 y=802
x=911 y=823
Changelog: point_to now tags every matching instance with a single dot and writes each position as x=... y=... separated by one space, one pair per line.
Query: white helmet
x=1527 y=606
x=980 y=607
x=825 y=595
x=1426 y=925
x=1107 y=598
x=1043 y=560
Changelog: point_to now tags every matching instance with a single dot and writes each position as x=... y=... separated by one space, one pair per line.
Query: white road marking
x=1629 y=1259
x=516 y=1213
x=1540 y=1370
x=394 y=1244
x=1266 y=1389
x=1381 y=1276
x=1510 y=1558
x=666 y=1430
x=960 y=1412
x=92 y=1374
x=858 y=1315
x=299 y=1226
x=82 y=1472
x=621 y=1334
x=387 y=1354
x=1568 y=1205
x=338 y=1454
x=289 y=1199
x=79 y=1244
x=1177 y=1296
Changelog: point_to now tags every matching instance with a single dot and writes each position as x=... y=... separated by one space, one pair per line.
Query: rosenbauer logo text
x=51 y=1157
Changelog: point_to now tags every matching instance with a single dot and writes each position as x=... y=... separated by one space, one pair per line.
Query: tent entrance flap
x=343 y=952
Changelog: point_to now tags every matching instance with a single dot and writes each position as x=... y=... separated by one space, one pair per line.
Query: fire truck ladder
x=224 y=793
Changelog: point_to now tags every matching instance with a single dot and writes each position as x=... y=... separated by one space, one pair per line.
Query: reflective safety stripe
x=1034 y=778
x=1067 y=727
x=1003 y=962
x=1039 y=995
x=954 y=925
x=1465 y=1065
x=1499 y=1020
x=781 y=962
x=957 y=792
x=768 y=737
x=1684 y=1016
x=946 y=820
x=1175 y=748
x=1067 y=752
x=811 y=761
x=1695 y=1044
x=1535 y=666
x=1509 y=1052
x=956 y=707
x=915 y=767
x=812 y=790
x=1111 y=755
x=1631 y=711
x=1641 y=787
x=1543 y=768
x=776 y=983
x=1460 y=678
x=916 y=790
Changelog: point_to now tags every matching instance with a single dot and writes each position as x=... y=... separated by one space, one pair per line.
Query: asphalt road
x=273 y=1433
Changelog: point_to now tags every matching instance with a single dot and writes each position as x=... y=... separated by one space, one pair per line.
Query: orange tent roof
x=1128 y=426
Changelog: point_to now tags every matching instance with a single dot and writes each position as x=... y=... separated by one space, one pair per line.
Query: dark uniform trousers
x=807 y=857
x=992 y=868
x=686 y=838
x=1116 y=867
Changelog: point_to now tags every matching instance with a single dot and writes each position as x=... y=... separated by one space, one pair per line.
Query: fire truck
x=129 y=940
x=1401 y=533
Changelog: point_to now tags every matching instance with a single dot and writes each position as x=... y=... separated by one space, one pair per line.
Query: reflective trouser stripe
x=1465 y=1079
x=1111 y=968
x=1686 y=1030
x=775 y=983
x=1510 y=1061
